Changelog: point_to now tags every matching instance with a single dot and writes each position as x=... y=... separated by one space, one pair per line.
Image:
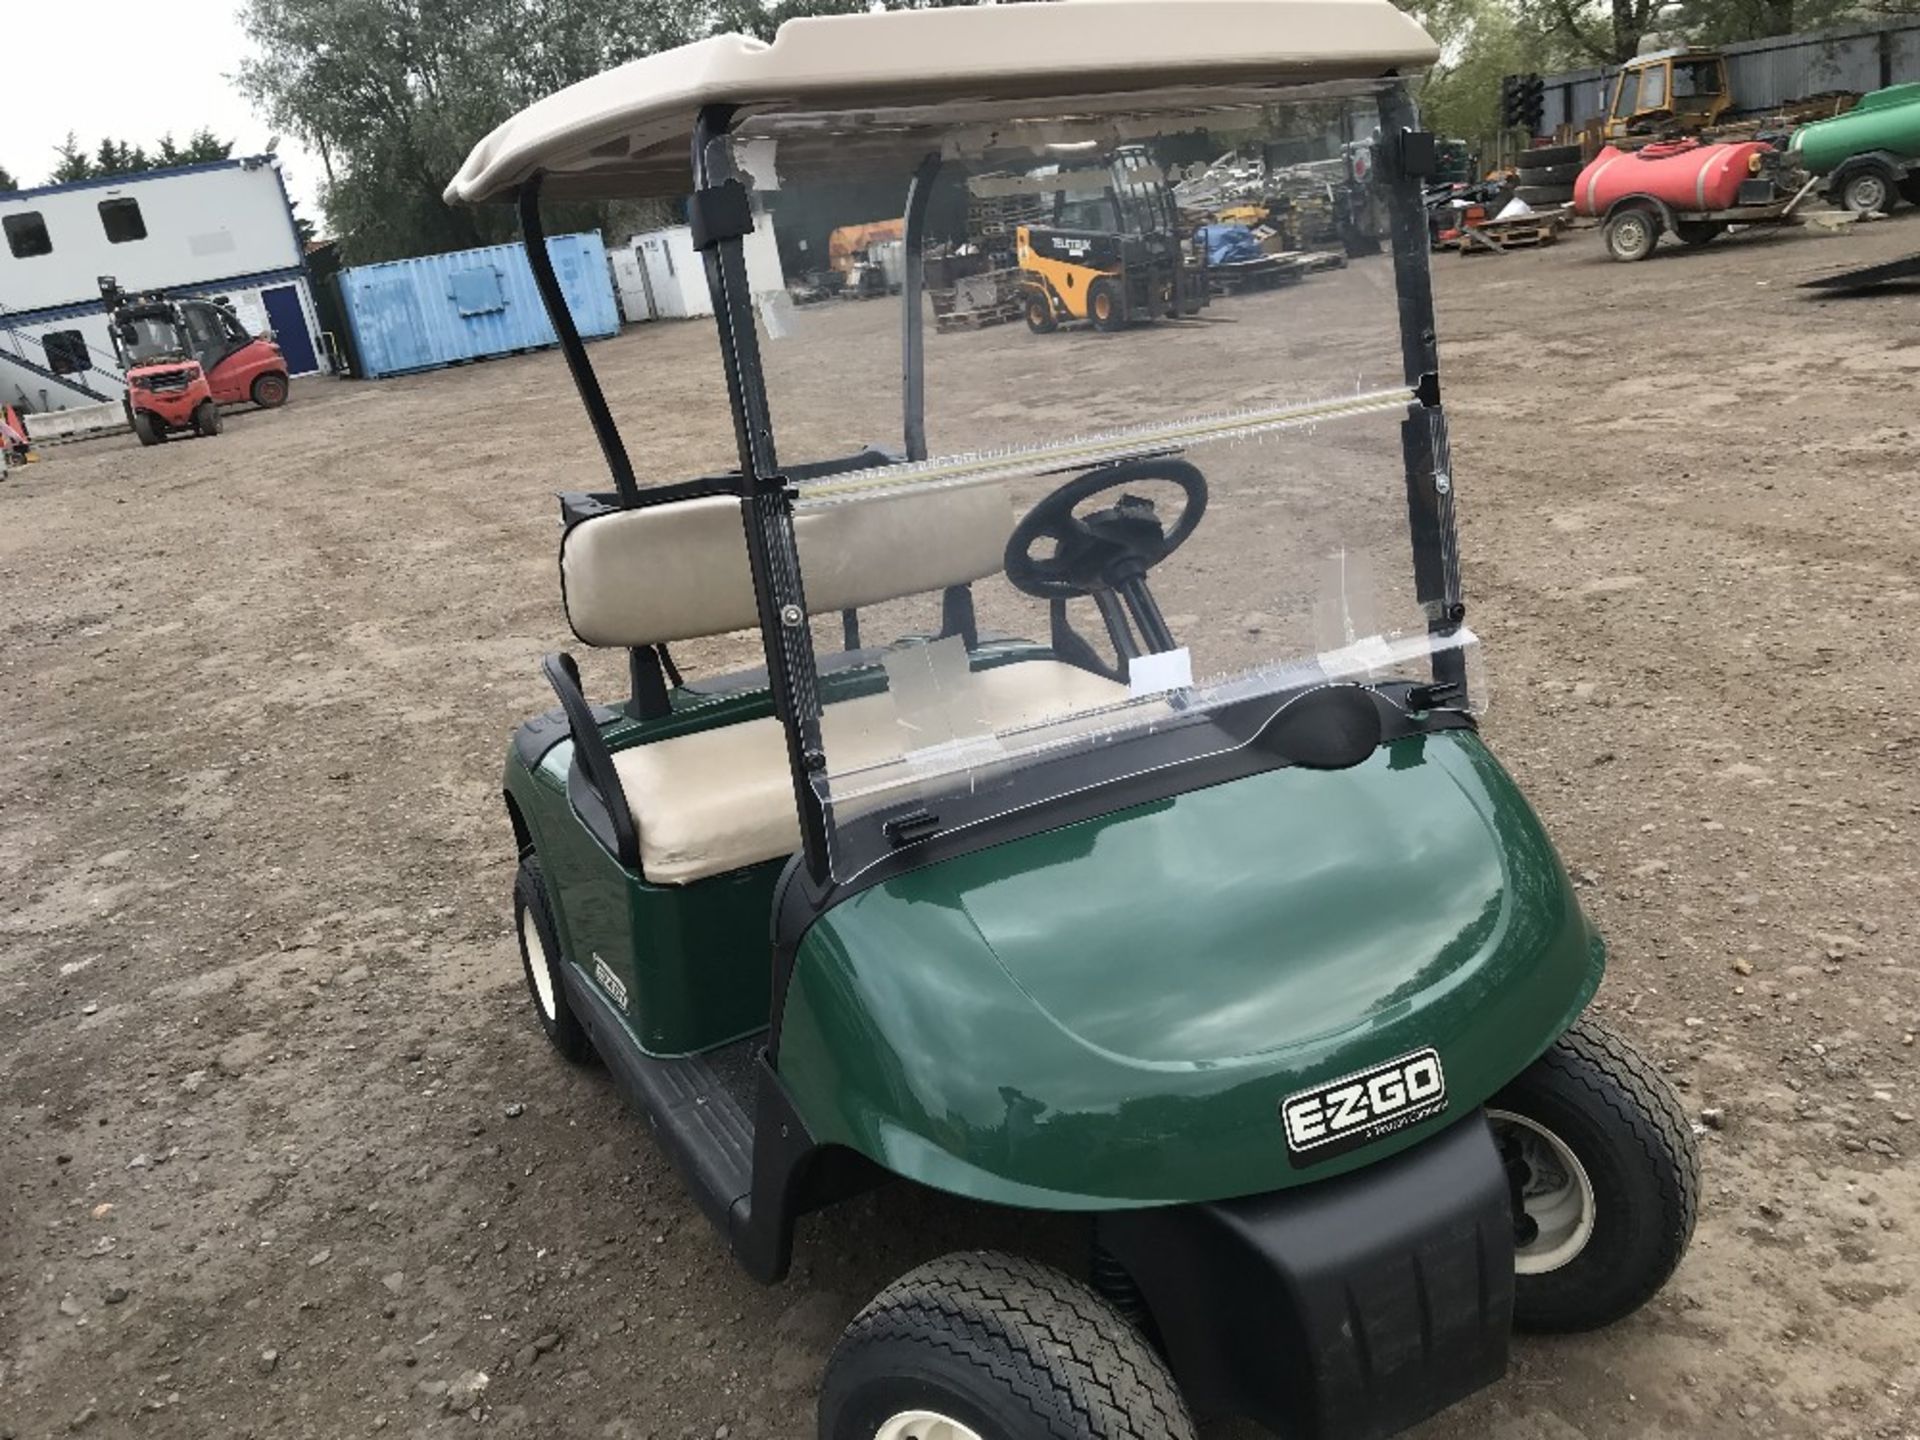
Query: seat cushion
x=719 y=799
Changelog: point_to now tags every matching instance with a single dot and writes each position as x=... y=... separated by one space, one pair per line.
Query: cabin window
x=27 y=235
x=1653 y=88
x=122 y=221
x=66 y=352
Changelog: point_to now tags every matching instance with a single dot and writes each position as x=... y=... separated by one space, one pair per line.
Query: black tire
x=1550 y=174
x=533 y=921
x=1698 y=232
x=1632 y=234
x=1544 y=155
x=1005 y=1346
x=269 y=391
x=147 y=429
x=1104 y=307
x=1909 y=188
x=1866 y=189
x=1594 y=1095
x=1542 y=195
x=1039 y=313
x=207 y=419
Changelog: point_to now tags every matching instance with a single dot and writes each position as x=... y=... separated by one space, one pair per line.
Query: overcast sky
x=133 y=71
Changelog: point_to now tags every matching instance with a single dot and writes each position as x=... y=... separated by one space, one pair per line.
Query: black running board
x=727 y=1123
x=702 y=1123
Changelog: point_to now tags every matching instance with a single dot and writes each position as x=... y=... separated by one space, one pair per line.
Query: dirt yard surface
x=283 y=1154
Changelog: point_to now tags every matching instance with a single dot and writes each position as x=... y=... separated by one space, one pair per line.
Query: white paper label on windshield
x=1156 y=674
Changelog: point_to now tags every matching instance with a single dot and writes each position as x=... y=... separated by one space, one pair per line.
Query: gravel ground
x=282 y=1152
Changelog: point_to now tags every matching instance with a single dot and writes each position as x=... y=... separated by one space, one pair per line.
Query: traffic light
x=1523 y=102
x=1533 y=103
x=1509 y=101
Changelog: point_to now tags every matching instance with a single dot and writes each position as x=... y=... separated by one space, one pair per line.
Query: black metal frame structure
x=721 y=216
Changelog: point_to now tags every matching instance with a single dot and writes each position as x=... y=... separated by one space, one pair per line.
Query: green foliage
x=115 y=157
x=7 y=182
x=392 y=94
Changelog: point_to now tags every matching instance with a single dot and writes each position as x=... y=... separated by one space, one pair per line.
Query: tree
x=392 y=94
x=115 y=157
x=7 y=182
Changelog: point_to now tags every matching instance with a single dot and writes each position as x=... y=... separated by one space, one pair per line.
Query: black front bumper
x=1350 y=1308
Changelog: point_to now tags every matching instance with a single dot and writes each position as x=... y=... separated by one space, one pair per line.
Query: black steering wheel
x=1107 y=549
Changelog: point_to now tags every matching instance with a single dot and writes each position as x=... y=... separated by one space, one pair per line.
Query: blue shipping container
x=435 y=310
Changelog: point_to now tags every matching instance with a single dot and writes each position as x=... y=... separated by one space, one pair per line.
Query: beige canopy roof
x=628 y=132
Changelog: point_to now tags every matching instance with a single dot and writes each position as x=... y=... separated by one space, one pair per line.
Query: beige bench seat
x=720 y=799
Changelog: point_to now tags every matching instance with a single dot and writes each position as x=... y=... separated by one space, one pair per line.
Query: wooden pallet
x=977 y=319
x=1523 y=231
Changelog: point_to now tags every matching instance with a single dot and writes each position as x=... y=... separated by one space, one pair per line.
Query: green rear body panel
x=1109 y=1014
x=1885 y=120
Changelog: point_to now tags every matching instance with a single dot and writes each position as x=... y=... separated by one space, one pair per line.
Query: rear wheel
x=540 y=957
x=1697 y=232
x=1039 y=311
x=1103 y=305
x=1867 y=190
x=992 y=1347
x=270 y=391
x=1909 y=188
x=1606 y=1181
x=207 y=419
x=1632 y=234
x=149 y=430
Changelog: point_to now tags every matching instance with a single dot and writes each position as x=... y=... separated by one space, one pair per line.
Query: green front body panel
x=1885 y=120
x=1109 y=1014
x=693 y=960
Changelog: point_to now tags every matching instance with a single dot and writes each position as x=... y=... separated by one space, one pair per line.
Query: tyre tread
x=1051 y=1341
x=1618 y=1077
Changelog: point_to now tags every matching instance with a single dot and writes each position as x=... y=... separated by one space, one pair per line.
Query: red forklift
x=184 y=358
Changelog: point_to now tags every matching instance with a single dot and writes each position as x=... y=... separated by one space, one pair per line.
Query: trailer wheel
x=1605 y=1176
x=1865 y=190
x=1039 y=310
x=540 y=956
x=207 y=419
x=1697 y=232
x=1103 y=305
x=1632 y=234
x=1909 y=188
x=993 y=1347
x=144 y=427
x=270 y=392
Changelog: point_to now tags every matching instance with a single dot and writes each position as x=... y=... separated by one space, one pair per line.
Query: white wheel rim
x=924 y=1425
x=1870 y=193
x=537 y=963
x=1557 y=1197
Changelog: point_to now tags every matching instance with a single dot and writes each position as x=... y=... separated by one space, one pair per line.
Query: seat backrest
x=679 y=571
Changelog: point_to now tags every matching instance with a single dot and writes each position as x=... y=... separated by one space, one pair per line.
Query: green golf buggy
x=1054 y=778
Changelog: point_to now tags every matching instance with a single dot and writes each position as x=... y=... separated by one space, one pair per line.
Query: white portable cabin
x=673 y=278
x=222 y=230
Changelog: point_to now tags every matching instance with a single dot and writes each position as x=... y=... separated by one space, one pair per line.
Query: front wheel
x=992 y=1347
x=1605 y=1176
x=270 y=392
x=1039 y=312
x=1632 y=234
x=1103 y=305
x=147 y=429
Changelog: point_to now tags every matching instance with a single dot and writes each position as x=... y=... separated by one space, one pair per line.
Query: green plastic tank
x=1885 y=120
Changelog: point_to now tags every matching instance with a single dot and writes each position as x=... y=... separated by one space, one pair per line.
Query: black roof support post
x=721 y=218
x=1404 y=155
x=584 y=380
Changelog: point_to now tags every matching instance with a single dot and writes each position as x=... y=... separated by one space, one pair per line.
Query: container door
x=662 y=283
x=289 y=323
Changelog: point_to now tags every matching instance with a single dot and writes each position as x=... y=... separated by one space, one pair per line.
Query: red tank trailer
x=1685 y=188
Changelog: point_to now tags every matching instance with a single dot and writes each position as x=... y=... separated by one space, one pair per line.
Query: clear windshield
x=1162 y=490
x=154 y=338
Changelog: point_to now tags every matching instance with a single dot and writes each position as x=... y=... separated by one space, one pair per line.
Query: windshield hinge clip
x=908 y=828
x=719 y=212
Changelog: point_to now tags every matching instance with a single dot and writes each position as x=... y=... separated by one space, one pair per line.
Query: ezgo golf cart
x=1100 y=823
